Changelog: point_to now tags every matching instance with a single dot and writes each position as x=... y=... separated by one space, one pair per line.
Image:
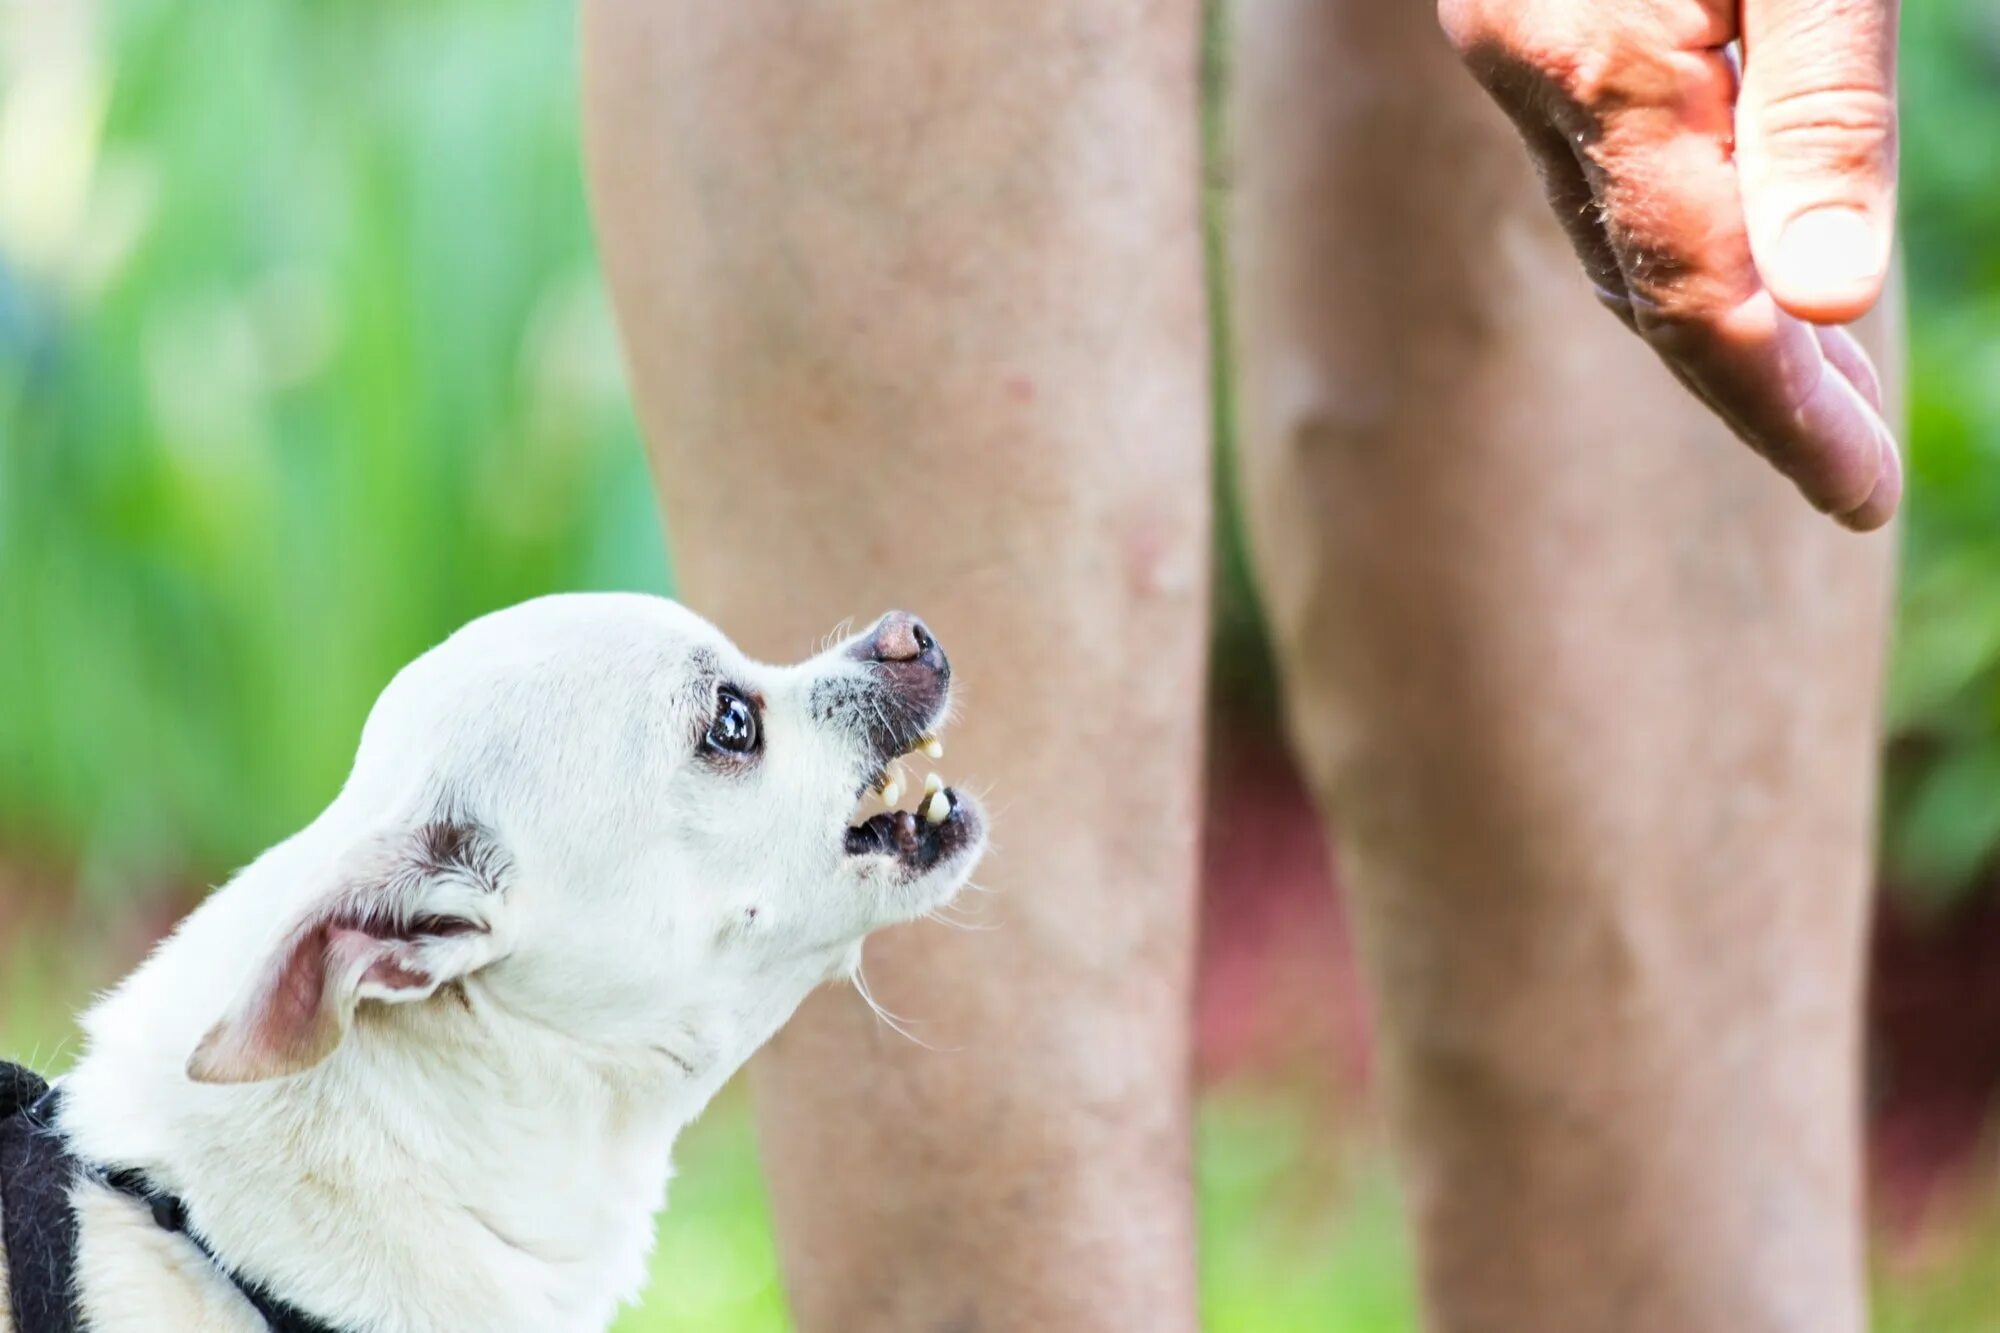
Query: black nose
x=900 y=637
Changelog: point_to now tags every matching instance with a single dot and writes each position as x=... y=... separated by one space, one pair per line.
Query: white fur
x=487 y=1151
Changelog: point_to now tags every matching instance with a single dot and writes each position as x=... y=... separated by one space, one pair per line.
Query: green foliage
x=1943 y=806
x=321 y=369
x=316 y=365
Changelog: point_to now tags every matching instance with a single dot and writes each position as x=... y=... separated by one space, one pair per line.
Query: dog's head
x=593 y=812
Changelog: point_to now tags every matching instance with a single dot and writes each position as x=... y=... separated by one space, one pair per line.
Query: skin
x=1591 y=700
x=1726 y=216
x=895 y=344
x=911 y=299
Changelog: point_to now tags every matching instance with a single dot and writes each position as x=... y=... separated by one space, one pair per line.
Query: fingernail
x=1829 y=249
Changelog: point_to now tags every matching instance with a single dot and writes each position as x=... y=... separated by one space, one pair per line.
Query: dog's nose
x=910 y=679
x=900 y=637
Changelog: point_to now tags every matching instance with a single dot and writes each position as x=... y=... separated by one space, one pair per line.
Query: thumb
x=1816 y=150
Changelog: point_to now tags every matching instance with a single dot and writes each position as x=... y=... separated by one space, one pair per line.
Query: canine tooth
x=937 y=809
x=932 y=746
x=891 y=790
x=933 y=784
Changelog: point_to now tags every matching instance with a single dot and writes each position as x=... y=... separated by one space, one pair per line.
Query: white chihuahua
x=419 y=1066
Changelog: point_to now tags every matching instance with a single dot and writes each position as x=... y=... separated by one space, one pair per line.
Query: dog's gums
x=941 y=825
x=947 y=827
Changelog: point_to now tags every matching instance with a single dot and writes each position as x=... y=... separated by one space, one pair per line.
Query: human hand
x=1732 y=219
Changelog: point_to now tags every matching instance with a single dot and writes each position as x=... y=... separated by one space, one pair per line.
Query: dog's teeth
x=937 y=808
x=933 y=784
x=931 y=746
x=891 y=790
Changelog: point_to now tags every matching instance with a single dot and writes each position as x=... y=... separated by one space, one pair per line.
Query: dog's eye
x=735 y=726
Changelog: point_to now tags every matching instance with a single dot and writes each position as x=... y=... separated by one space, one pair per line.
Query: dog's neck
x=452 y=1165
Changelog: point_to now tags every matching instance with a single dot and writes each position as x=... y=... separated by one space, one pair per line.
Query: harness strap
x=40 y=1229
x=170 y=1214
x=41 y=1232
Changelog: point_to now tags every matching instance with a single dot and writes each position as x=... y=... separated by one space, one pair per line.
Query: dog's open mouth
x=943 y=822
x=913 y=839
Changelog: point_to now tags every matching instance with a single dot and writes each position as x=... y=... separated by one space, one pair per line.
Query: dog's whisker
x=894 y=1022
x=944 y=918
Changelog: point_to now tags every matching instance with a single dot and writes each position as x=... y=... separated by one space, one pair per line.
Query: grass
x=1303 y=1233
x=1301 y=1221
x=1302 y=1226
x=1287 y=1249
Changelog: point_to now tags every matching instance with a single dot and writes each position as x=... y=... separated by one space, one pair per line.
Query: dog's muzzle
x=910 y=689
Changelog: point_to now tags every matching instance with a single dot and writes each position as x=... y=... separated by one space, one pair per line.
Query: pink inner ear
x=387 y=969
x=295 y=1017
x=285 y=1024
x=290 y=1007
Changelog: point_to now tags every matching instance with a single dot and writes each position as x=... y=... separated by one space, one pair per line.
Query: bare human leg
x=1590 y=697
x=912 y=301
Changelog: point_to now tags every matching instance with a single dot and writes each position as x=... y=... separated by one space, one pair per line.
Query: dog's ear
x=412 y=912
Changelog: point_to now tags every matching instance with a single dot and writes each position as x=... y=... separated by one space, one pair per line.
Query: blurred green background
x=304 y=360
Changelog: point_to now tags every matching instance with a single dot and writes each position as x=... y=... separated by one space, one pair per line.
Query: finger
x=1816 y=150
x=1766 y=375
x=1881 y=504
x=1575 y=205
x=1848 y=356
x=1662 y=172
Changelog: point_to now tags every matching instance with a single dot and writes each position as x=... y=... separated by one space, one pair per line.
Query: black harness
x=38 y=1227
